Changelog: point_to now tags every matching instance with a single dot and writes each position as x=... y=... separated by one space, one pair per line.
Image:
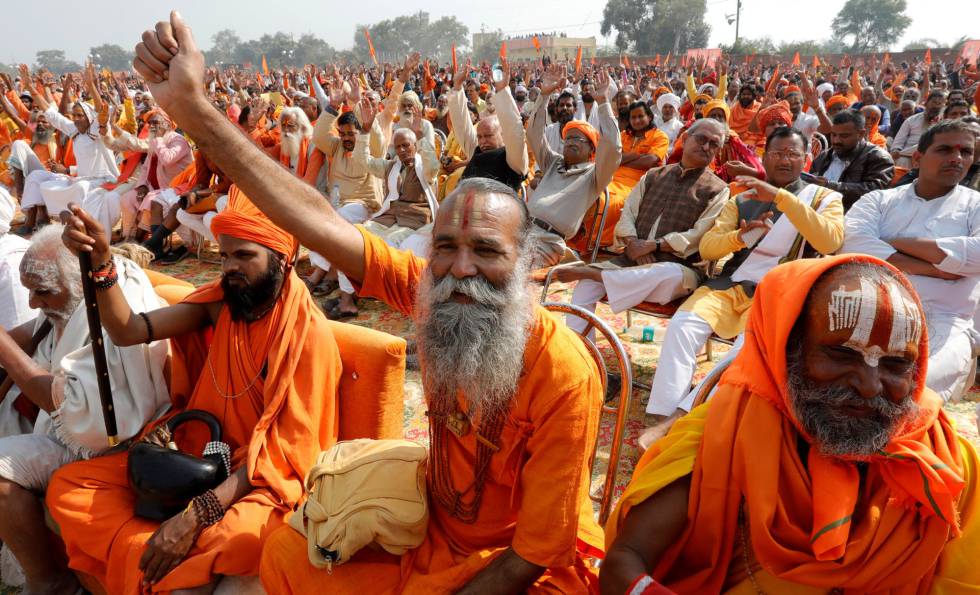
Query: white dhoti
x=354 y=212
x=201 y=224
x=29 y=459
x=659 y=283
x=416 y=241
x=953 y=347
x=56 y=191
x=688 y=403
x=25 y=160
x=687 y=333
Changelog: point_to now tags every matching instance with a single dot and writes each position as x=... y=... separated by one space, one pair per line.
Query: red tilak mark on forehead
x=467 y=207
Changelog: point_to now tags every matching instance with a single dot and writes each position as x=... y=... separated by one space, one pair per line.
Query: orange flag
x=593 y=60
x=455 y=63
x=285 y=82
x=503 y=50
x=265 y=66
x=772 y=82
x=816 y=62
x=626 y=61
x=796 y=59
x=537 y=43
x=928 y=57
x=374 y=56
x=578 y=61
x=428 y=83
x=656 y=61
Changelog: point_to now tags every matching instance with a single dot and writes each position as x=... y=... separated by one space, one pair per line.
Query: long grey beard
x=818 y=410
x=475 y=348
x=290 y=145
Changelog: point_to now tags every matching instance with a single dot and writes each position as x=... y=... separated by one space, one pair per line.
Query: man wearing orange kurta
x=276 y=410
x=644 y=147
x=821 y=464
x=743 y=112
x=513 y=395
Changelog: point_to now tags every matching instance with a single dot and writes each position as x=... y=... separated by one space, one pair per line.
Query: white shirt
x=908 y=135
x=672 y=128
x=952 y=220
x=835 y=169
x=807 y=124
x=552 y=132
x=14 y=297
x=93 y=158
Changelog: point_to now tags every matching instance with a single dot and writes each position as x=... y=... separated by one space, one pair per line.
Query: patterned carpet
x=643 y=356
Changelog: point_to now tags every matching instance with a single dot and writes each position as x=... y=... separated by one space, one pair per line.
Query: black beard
x=746 y=102
x=255 y=299
x=624 y=114
x=587 y=98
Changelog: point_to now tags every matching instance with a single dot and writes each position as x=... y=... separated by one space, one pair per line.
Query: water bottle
x=335 y=196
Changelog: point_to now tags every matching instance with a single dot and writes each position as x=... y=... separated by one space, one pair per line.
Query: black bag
x=166 y=480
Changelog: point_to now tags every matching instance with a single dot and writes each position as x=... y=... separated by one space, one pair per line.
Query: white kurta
x=76 y=429
x=14 y=298
x=96 y=166
x=954 y=222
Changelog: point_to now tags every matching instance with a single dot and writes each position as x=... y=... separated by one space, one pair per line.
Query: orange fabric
x=741 y=118
x=803 y=516
x=652 y=142
x=536 y=495
x=838 y=100
x=778 y=111
x=716 y=104
x=171 y=289
x=245 y=221
x=309 y=164
x=585 y=128
x=275 y=428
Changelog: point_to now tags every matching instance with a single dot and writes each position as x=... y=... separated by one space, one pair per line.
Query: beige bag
x=360 y=492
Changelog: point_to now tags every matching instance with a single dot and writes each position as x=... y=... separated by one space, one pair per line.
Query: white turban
x=668 y=98
x=825 y=88
x=7 y=209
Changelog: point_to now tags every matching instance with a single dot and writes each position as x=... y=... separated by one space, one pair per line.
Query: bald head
x=872 y=115
x=488 y=135
x=404 y=142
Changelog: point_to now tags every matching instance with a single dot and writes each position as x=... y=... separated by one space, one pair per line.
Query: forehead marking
x=900 y=327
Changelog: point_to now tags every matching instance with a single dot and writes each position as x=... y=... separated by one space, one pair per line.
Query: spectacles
x=784 y=155
x=712 y=144
x=578 y=139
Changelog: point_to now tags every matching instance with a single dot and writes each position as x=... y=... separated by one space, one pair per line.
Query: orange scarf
x=304 y=147
x=812 y=522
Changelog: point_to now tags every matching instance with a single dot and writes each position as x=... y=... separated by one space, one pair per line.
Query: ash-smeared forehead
x=879 y=317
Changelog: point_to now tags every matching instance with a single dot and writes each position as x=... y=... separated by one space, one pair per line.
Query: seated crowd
x=826 y=222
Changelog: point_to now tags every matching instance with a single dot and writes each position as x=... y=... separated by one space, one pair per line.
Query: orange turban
x=158 y=112
x=585 y=128
x=660 y=91
x=717 y=104
x=792 y=89
x=778 y=111
x=838 y=100
x=243 y=220
x=703 y=96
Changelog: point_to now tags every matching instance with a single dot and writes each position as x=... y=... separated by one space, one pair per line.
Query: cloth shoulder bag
x=362 y=492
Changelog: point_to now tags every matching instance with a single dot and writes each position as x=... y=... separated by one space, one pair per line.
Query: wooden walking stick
x=98 y=348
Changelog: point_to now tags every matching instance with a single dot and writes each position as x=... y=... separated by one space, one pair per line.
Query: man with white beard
x=49 y=192
x=513 y=415
x=296 y=151
x=52 y=415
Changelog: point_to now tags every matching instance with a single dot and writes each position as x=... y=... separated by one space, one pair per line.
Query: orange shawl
x=740 y=120
x=804 y=519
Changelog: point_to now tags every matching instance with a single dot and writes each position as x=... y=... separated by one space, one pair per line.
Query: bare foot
x=577 y=273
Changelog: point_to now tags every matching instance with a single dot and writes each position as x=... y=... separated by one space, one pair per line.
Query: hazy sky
x=75 y=26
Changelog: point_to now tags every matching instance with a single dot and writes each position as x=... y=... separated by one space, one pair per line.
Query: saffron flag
x=537 y=43
x=656 y=61
x=374 y=56
x=928 y=57
x=265 y=66
x=455 y=63
x=503 y=50
x=816 y=62
x=593 y=60
x=796 y=59
x=578 y=61
x=626 y=61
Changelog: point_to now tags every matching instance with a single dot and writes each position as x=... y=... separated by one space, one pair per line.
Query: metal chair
x=621 y=410
x=818 y=140
x=593 y=244
x=440 y=141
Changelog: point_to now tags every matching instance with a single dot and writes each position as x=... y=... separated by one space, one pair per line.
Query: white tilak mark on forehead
x=857 y=309
x=906 y=321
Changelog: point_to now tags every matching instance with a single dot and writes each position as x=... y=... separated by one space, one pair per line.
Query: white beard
x=290 y=146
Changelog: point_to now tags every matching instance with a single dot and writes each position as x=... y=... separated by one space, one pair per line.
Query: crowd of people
x=825 y=220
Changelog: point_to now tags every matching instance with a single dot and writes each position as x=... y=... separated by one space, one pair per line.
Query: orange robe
x=907 y=526
x=653 y=142
x=740 y=120
x=536 y=495
x=310 y=162
x=276 y=428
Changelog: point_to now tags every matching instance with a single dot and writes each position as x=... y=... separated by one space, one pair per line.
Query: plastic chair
x=620 y=410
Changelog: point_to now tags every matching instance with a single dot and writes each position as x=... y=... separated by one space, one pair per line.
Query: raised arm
x=287 y=200
x=125 y=327
x=458 y=114
x=511 y=127
x=610 y=147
